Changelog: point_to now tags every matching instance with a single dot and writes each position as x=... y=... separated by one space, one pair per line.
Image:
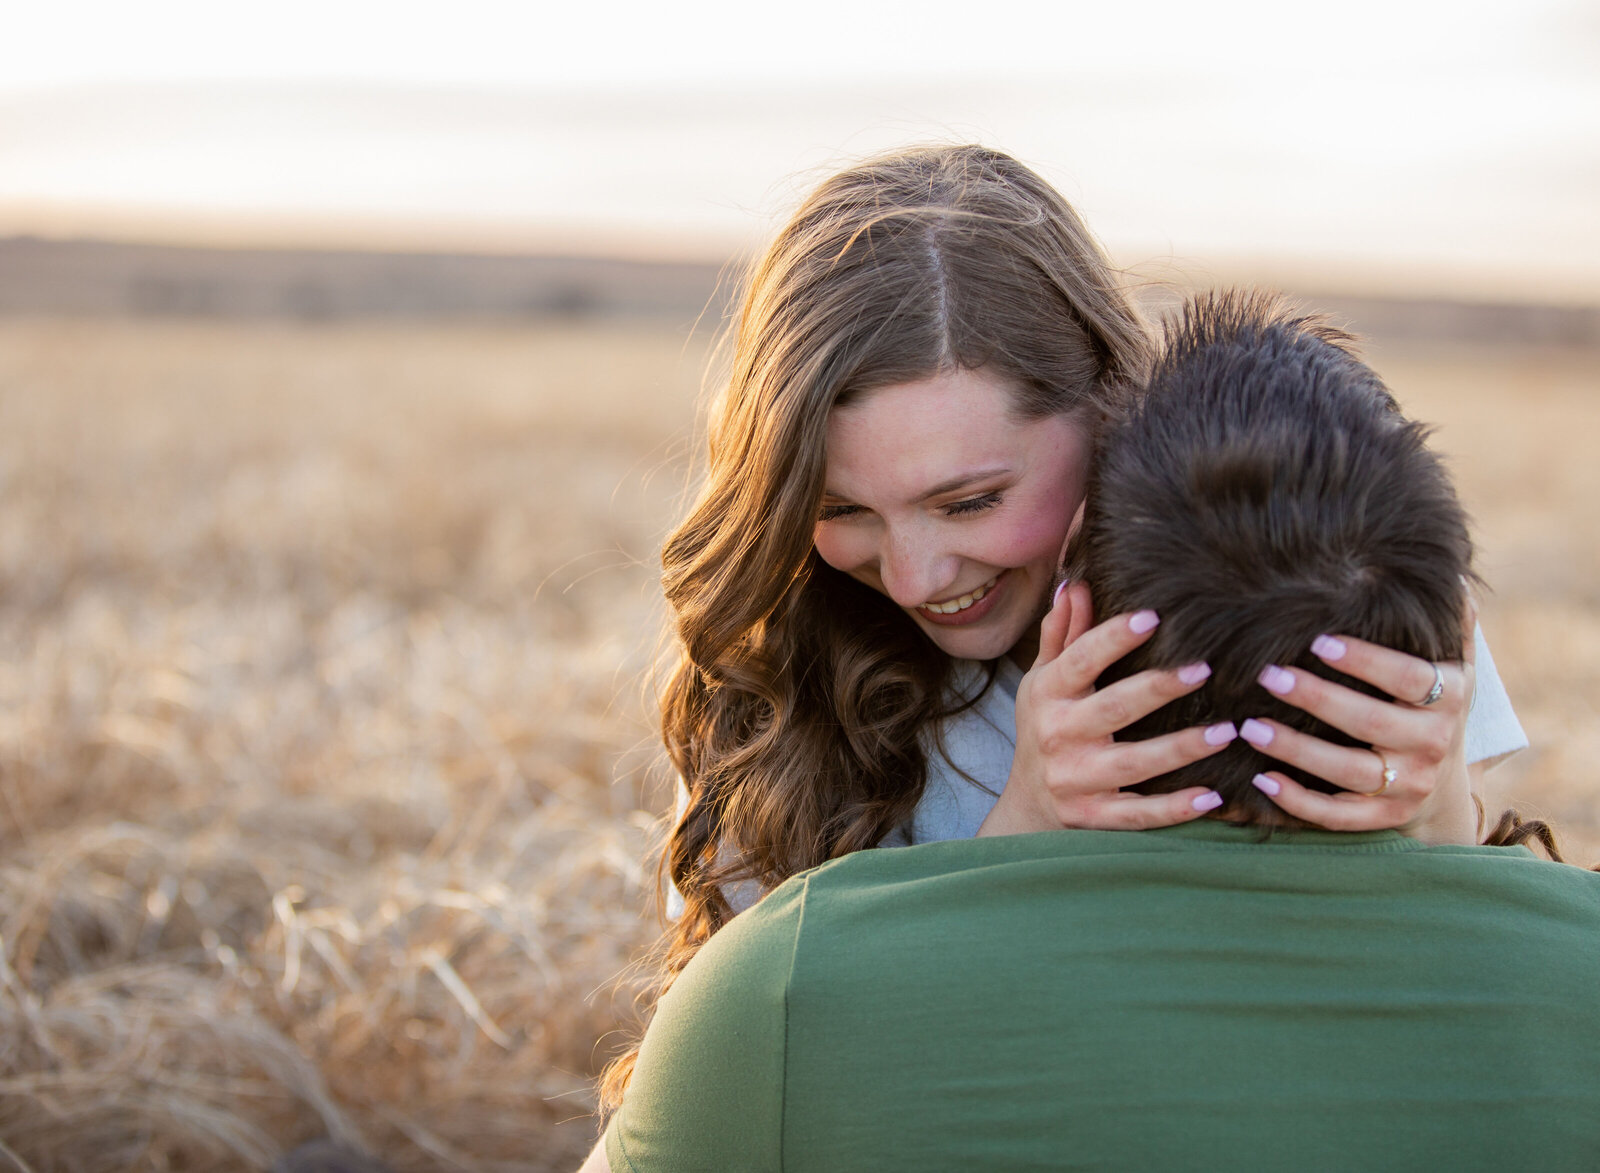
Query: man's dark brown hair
x=1265 y=490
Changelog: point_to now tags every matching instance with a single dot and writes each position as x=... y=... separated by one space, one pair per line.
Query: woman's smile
x=964 y=608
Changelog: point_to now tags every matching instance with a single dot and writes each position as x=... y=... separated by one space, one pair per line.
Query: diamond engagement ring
x=1388 y=774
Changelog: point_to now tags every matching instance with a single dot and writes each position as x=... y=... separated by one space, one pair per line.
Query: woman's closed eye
x=967 y=507
x=972 y=505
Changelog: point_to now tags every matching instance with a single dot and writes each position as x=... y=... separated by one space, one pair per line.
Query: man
x=1235 y=993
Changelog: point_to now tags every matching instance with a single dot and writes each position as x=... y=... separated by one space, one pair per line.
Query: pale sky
x=713 y=42
x=1460 y=141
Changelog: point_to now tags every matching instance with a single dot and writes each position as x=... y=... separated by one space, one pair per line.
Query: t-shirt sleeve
x=1493 y=731
x=707 y=1091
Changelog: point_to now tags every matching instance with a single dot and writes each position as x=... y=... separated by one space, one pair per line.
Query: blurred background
x=349 y=362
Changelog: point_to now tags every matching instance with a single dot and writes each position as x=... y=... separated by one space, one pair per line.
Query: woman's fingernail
x=1276 y=679
x=1221 y=733
x=1056 y=598
x=1209 y=801
x=1266 y=785
x=1328 y=648
x=1255 y=732
x=1194 y=673
x=1142 y=621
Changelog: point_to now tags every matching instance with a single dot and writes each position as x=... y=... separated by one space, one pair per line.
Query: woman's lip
x=973 y=613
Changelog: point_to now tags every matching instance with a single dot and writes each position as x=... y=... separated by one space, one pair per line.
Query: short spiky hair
x=1266 y=489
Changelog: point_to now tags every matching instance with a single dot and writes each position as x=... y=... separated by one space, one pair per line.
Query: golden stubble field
x=326 y=777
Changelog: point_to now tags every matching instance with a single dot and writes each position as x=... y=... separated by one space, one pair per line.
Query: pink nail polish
x=1276 y=679
x=1221 y=733
x=1328 y=648
x=1255 y=732
x=1194 y=673
x=1209 y=801
x=1266 y=785
x=1142 y=621
x=1056 y=598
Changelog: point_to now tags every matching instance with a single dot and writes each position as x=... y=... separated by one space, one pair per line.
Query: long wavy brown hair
x=1512 y=830
x=802 y=704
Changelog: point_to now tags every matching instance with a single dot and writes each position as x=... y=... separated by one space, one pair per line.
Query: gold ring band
x=1388 y=774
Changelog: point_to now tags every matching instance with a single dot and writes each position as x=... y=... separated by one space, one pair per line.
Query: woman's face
x=940 y=497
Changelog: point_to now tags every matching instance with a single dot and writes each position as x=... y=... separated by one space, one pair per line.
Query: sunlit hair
x=1267 y=490
x=800 y=712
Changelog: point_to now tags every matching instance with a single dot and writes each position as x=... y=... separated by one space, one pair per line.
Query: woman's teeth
x=963 y=602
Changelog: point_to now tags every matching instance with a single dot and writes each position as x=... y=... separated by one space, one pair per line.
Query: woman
x=923 y=360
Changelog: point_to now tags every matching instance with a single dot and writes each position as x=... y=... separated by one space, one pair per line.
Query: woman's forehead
x=945 y=428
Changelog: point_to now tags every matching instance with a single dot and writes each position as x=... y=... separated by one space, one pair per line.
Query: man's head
x=1267 y=490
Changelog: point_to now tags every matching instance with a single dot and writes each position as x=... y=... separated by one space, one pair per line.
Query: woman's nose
x=914 y=572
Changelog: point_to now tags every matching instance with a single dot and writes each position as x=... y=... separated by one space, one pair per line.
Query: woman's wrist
x=1451 y=818
x=1013 y=817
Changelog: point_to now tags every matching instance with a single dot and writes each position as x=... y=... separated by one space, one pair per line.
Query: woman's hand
x=1068 y=772
x=1421 y=744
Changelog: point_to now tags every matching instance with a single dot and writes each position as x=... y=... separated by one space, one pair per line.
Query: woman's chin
x=981 y=641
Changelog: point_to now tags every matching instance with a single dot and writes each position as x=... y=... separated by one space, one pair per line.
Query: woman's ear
x=1063 y=560
x=1073 y=561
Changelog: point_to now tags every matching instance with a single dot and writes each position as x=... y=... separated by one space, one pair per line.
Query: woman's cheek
x=838 y=549
x=1037 y=535
x=820 y=538
x=1046 y=518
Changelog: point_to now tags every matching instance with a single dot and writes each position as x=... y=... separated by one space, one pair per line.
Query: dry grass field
x=325 y=774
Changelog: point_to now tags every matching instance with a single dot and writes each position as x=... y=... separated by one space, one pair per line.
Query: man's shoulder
x=945 y=879
x=762 y=934
x=1092 y=863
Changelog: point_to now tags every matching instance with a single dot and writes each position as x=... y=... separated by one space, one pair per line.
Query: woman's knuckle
x=1408 y=806
x=1436 y=747
x=1181 y=753
x=1118 y=712
x=1101 y=777
x=1310 y=688
x=1059 y=736
x=1131 y=818
x=1419 y=682
x=1342 y=818
x=1144 y=820
x=1383 y=728
x=1075 y=663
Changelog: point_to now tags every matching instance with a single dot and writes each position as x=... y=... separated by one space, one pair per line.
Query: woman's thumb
x=1056 y=631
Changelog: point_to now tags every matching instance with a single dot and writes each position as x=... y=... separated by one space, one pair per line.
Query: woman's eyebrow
x=949 y=486
x=964 y=480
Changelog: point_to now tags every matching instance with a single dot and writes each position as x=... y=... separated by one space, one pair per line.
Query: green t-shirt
x=1190 y=998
